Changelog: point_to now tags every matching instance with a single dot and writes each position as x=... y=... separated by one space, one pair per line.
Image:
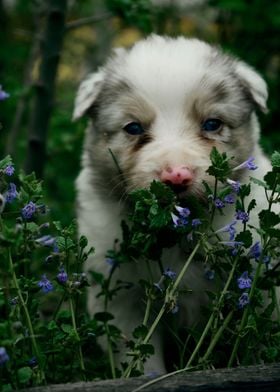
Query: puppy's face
x=159 y=108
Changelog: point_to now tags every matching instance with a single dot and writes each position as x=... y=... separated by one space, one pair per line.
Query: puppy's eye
x=134 y=128
x=211 y=125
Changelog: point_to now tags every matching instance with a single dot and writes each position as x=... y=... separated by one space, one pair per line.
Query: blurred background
x=48 y=46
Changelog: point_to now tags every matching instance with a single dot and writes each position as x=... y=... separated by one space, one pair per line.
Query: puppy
x=158 y=109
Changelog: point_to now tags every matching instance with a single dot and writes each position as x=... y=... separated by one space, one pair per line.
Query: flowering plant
x=42 y=284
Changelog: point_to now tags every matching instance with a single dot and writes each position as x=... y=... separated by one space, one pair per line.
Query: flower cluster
x=182 y=219
x=11 y=193
x=45 y=285
x=242 y=215
x=4 y=357
x=228 y=229
x=3 y=94
x=244 y=282
x=28 y=210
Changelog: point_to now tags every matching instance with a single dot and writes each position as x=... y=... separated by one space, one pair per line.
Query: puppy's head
x=160 y=107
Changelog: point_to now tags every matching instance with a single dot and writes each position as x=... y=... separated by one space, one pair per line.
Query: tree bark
x=51 y=45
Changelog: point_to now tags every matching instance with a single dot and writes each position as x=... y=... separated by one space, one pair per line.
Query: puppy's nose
x=177 y=175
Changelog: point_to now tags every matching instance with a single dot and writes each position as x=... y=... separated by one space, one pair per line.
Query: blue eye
x=134 y=128
x=211 y=125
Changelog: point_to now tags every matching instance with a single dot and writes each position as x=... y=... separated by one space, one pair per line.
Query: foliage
x=37 y=342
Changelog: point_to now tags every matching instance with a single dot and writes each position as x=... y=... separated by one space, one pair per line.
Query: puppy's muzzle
x=179 y=178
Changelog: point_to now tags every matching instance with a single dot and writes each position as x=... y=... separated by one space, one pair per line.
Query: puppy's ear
x=254 y=84
x=87 y=93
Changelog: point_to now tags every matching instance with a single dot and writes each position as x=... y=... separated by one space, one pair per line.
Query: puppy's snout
x=177 y=176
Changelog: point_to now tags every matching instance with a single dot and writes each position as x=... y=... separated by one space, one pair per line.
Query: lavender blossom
x=248 y=164
x=244 y=281
x=11 y=193
x=243 y=300
x=235 y=185
x=45 y=285
x=4 y=357
x=28 y=210
x=9 y=170
x=179 y=221
x=3 y=94
x=219 y=203
x=184 y=212
x=242 y=215
x=228 y=229
x=229 y=199
x=209 y=274
x=196 y=222
x=255 y=251
x=62 y=276
x=169 y=274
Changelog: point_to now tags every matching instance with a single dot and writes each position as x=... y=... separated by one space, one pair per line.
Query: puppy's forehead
x=167 y=70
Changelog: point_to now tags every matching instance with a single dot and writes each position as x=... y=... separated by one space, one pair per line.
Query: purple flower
x=229 y=199
x=28 y=210
x=62 y=276
x=243 y=300
x=219 y=203
x=255 y=251
x=11 y=193
x=4 y=357
x=235 y=185
x=242 y=215
x=244 y=281
x=196 y=222
x=184 y=212
x=228 y=229
x=249 y=164
x=9 y=170
x=169 y=274
x=179 y=221
x=3 y=94
x=235 y=245
x=45 y=285
x=48 y=240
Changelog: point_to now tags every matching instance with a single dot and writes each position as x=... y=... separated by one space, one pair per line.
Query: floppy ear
x=87 y=93
x=254 y=83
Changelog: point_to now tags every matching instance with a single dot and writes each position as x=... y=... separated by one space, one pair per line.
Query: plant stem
x=77 y=336
x=169 y=294
x=217 y=336
x=28 y=320
x=211 y=319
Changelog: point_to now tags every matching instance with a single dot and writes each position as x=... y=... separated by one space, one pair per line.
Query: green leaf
x=140 y=332
x=104 y=316
x=268 y=219
x=259 y=182
x=245 y=237
x=5 y=162
x=251 y=205
x=24 y=374
x=52 y=325
x=67 y=328
x=146 y=349
x=83 y=242
x=220 y=165
x=275 y=159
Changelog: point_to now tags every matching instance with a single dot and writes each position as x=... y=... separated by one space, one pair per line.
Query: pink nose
x=178 y=175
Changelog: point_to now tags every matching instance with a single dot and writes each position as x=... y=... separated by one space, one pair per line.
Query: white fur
x=168 y=75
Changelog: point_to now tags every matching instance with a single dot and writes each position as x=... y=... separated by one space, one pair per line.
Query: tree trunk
x=51 y=45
